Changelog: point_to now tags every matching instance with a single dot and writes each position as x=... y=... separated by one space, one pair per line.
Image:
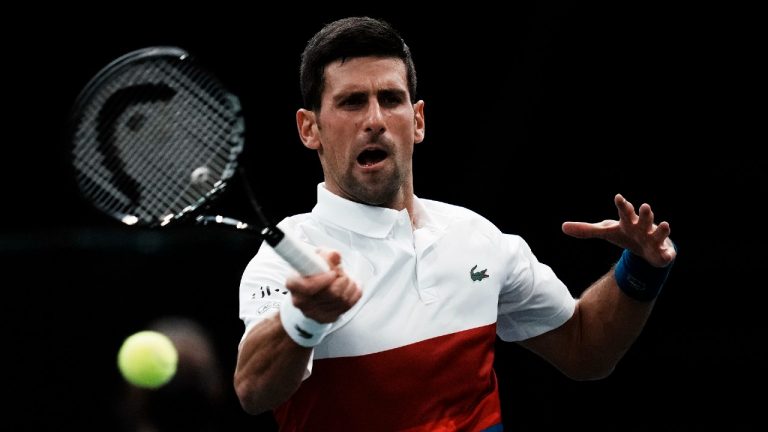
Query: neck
x=401 y=199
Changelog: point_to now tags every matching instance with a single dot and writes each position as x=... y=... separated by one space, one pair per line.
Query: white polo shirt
x=416 y=352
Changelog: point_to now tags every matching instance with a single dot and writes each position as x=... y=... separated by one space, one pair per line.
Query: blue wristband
x=638 y=279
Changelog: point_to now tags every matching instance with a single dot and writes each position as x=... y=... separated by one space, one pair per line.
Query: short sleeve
x=532 y=300
x=262 y=287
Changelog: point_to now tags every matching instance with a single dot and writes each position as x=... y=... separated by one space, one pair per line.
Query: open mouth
x=370 y=157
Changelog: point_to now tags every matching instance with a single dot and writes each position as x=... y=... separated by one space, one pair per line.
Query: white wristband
x=304 y=331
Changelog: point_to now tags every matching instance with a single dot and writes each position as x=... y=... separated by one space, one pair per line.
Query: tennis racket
x=156 y=137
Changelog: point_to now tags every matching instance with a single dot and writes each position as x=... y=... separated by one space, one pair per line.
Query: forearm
x=609 y=323
x=270 y=367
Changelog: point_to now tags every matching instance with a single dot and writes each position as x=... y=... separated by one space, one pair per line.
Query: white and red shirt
x=416 y=352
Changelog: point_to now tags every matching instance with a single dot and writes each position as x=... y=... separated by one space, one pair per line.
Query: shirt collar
x=367 y=220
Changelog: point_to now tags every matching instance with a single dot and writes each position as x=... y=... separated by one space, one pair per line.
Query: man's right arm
x=271 y=365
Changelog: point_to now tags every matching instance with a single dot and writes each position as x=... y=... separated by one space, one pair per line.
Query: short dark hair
x=348 y=38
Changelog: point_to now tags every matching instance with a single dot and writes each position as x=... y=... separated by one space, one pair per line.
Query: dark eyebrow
x=388 y=92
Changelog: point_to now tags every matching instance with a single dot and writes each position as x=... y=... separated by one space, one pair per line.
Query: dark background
x=535 y=115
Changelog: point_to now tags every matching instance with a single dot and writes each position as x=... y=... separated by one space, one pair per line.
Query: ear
x=418 y=122
x=306 y=121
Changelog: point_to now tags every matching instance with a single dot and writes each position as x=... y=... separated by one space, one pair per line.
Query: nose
x=374 y=118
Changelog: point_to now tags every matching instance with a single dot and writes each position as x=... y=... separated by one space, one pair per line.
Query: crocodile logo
x=477 y=276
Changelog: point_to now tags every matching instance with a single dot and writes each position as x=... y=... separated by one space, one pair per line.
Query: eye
x=390 y=99
x=353 y=101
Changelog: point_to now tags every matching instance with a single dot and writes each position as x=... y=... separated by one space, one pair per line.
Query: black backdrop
x=535 y=115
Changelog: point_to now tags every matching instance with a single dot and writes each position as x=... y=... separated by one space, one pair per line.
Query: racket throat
x=252 y=197
x=272 y=235
x=225 y=222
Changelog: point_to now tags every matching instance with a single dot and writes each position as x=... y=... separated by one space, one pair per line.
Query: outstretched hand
x=635 y=232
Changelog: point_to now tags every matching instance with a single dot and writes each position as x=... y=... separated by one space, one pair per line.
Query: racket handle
x=300 y=255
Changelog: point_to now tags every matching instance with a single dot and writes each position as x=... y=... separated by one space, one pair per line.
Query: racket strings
x=205 y=157
x=127 y=154
x=142 y=139
x=154 y=159
x=202 y=90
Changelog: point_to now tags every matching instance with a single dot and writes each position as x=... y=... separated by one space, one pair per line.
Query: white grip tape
x=304 y=331
x=301 y=256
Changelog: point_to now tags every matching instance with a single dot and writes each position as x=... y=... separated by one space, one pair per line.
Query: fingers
x=574 y=229
x=626 y=210
x=342 y=292
x=310 y=285
x=643 y=232
x=330 y=301
x=661 y=233
x=581 y=229
x=590 y=230
x=645 y=221
x=347 y=291
x=666 y=247
x=333 y=257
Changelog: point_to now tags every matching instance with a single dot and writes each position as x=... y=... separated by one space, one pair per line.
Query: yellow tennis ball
x=147 y=359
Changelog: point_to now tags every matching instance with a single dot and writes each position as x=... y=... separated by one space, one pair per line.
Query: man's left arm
x=612 y=312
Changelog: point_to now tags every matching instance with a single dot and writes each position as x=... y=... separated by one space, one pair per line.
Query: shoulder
x=291 y=223
x=267 y=266
x=457 y=219
x=448 y=215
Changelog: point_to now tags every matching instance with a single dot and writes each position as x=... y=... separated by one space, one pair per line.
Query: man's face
x=367 y=128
